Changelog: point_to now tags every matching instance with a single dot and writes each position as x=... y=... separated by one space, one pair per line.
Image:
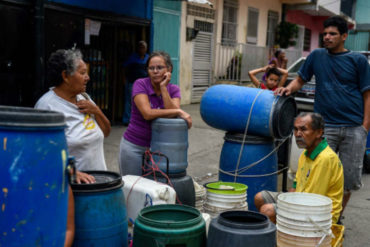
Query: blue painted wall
x=134 y=8
x=362 y=11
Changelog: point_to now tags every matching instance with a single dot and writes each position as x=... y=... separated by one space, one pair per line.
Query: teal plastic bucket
x=169 y=226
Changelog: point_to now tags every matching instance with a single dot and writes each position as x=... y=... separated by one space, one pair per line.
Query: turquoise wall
x=358 y=41
x=362 y=11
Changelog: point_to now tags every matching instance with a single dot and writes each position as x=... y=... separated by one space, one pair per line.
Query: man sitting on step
x=319 y=169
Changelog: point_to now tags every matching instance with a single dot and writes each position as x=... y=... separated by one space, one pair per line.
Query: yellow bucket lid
x=226 y=188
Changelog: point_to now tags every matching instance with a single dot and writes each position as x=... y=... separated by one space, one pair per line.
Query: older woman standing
x=152 y=97
x=86 y=124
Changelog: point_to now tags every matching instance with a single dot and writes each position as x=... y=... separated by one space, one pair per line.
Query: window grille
x=252 y=26
x=307 y=40
x=230 y=22
x=272 y=21
x=195 y=10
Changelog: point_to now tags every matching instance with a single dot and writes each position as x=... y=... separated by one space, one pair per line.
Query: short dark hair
x=62 y=60
x=162 y=54
x=277 y=53
x=337 y=21
x=274 y=71
x=317 y=120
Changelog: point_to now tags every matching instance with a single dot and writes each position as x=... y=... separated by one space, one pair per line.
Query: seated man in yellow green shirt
x=319 y=168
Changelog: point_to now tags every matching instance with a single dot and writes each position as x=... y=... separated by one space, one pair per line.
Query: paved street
x=205 y=145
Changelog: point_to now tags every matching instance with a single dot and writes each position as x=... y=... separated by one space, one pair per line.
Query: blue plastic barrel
x=100 y=211
x=261 y=176
x=33 y=180
x=228 y=107
x=170 y=137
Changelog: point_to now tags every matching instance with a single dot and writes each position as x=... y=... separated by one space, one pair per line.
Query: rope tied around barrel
x=237 y=171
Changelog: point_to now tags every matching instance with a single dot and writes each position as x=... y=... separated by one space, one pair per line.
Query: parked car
x=305 y=98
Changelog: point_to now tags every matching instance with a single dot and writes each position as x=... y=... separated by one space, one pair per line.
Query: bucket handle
x=145 y=159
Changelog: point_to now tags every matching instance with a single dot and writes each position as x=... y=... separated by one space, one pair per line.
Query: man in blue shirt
x=342 y=97
x=135 y=68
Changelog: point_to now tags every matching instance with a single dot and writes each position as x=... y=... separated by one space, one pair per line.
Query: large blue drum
x=170 y=137
x=100 y=211
x=229 y=107
x=33 y=180
x=257 y=167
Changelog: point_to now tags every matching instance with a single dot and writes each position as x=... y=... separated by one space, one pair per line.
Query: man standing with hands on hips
x=342 y=97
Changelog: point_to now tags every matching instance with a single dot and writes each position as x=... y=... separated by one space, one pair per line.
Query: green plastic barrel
x=169 y=226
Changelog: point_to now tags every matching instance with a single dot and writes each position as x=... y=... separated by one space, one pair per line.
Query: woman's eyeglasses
x=158 y=68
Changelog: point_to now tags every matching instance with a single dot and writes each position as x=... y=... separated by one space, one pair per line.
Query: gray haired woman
x=86 y=124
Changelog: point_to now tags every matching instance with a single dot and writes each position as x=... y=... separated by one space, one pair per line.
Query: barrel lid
x=244 y=220
x=14 y=116
x=169 y=121
x=105 y=180
x=226 y=188
x=238 y=138
x=285 y=111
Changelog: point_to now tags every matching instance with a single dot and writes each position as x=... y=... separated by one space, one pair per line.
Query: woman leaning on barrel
x=86 y=124
x=152 y=97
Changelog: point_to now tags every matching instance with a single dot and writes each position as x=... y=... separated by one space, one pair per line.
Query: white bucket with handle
x=303 y=219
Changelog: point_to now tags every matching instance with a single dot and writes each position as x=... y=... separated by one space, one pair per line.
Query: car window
x=295 y=68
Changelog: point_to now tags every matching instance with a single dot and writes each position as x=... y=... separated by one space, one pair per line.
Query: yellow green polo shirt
x=321 y=172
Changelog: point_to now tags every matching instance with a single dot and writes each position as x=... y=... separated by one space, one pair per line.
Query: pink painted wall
x=314 y=23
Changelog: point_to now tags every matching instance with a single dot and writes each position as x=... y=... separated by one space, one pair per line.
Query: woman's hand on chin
x=166 y=79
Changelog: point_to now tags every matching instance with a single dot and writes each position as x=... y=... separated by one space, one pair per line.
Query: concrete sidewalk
x=205 y=145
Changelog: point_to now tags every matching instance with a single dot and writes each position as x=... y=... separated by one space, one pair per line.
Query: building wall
x=137 y=8
x=314 y=23
x=362 y=11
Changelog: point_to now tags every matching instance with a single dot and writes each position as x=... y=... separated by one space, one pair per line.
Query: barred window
x=272 y=21
x=195 y=10
x=229 y=22
x=252 y=26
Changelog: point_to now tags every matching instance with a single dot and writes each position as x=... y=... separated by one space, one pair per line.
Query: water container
x=100 y=211
x=241 y=229
x=170 y=137
x=224 y=196
x=141 y=192
x=305 y=218
x=261 y=176
x=228 y=107
x=182 y=184
x=169 y=226
x=33 y=180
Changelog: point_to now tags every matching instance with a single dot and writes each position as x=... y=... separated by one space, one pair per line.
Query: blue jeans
x=127 y=106
x=350 y=144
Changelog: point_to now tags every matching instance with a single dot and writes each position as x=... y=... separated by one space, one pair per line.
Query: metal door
x=202 y=60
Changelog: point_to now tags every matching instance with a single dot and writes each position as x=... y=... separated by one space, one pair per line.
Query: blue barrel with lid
x=100 y=211
x=33 y=177
x=232 y=108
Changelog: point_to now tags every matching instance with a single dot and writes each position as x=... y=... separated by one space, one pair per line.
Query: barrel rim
x=170 y=224
x=278 y=103
x=14 y=116
x=98 y=187
x=223 y=220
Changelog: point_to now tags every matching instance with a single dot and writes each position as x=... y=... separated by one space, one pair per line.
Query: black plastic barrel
x=33 y=178
x=100 y=211
x=241 y=229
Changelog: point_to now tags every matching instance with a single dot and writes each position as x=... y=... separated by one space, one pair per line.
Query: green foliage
x=286 y=32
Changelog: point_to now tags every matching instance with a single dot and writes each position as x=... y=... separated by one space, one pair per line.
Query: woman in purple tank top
x=152 y=97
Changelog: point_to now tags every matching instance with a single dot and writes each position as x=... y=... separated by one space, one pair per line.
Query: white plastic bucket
x=287 y=240
x=304 y=215
x=218 y=203
x=200 y=196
